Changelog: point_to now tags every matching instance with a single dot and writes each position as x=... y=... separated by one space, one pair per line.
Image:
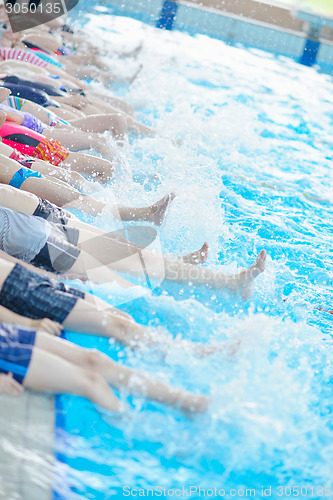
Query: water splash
x=252 y=170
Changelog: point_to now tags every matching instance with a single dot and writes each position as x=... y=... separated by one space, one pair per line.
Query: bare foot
x=133 y=77
x=157 y=211
x=244 y=280
x=133 y=53
x=198 y=257
x=139 y=128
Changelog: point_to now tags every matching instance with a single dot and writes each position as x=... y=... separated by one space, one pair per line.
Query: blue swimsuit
x=21 y=175
x=16 y=345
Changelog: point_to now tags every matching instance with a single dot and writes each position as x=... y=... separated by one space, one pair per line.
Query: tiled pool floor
x=26 y=447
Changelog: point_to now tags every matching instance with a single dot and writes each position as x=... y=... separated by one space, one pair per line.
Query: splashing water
x=251 y=170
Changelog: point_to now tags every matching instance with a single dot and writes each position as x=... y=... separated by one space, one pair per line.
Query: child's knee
x=89 y=379
x=93 y=359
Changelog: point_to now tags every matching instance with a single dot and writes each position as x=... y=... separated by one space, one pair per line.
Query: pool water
x=252 y=170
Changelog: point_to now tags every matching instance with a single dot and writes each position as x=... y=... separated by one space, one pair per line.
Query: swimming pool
x=269 y=26
x=253 y=171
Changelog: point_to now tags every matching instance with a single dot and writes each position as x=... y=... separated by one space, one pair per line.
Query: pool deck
x=26 y=447
x=265 y=12
x=259 y=24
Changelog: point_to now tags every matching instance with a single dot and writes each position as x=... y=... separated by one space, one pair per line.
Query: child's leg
x=48 y=372
x=95 y=256
x=96 y=317
x=90 y=165
x=139 y=128
x=121 y=244
x=239 y=282
x=119 y=376
x=113 y=122
x=62 y=195
x=78 y=140
x=66 y=175
x=153 y=213
x=92 y=266
x=66 y=112
x=113 y=101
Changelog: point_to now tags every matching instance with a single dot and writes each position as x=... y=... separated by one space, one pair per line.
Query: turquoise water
x=253 y=171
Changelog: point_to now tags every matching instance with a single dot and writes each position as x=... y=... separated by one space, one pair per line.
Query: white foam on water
x=251 y=169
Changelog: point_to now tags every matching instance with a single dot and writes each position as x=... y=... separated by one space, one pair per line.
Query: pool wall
x=229 y=27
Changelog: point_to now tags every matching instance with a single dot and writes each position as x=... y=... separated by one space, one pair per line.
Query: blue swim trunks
x=21 y=175
x=16 y=345
x=35 y=296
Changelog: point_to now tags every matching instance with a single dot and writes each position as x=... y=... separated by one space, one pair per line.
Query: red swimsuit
x=32 y=143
